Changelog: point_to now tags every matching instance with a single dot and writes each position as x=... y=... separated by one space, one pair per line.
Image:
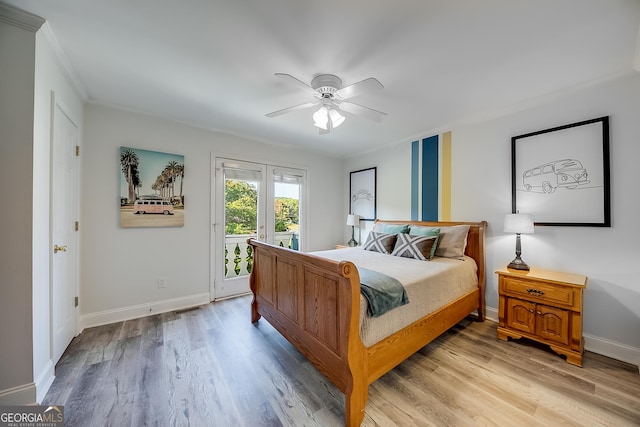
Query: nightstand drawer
x=550 y=294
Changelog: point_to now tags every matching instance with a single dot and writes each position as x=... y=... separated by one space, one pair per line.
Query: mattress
x=430 y=285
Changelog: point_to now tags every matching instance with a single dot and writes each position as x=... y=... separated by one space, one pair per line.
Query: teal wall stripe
x=415 y=168
x=430 y=178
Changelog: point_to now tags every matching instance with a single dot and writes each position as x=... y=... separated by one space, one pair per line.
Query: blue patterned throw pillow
x=418 y=247
x=380 y=242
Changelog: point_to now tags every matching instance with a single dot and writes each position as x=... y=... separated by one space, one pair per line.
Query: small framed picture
x=362 y=194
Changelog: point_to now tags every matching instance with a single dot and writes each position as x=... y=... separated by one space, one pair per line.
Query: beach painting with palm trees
x=151 y=188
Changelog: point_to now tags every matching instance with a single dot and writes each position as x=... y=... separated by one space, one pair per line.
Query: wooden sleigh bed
x=314 y=303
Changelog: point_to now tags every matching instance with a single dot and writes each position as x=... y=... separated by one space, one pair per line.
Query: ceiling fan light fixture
x=336 y=118
x=329 y=93
x=321 y=118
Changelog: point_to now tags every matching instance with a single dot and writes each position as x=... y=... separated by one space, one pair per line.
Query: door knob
x=57 y=249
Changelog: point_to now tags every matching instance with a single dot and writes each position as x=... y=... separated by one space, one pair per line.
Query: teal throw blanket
x=382 y=292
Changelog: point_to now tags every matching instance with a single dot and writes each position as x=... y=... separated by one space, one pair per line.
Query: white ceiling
x=211 y=63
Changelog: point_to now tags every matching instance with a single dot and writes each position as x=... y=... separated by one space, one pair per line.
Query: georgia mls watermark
x=31 y=416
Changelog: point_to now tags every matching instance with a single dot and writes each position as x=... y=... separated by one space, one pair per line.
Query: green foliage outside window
x=241 y=199
x=286 y=210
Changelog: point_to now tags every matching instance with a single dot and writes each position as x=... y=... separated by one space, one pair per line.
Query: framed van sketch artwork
x=560 y=176
x=362 y=194
x=151 y=188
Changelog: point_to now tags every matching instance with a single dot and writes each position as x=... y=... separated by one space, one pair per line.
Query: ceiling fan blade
x=361 y=110
x=324 y=131
x=360 y=88
x=298 y=83
x=294 y=108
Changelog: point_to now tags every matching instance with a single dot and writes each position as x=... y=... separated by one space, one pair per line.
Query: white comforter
x=429 y=285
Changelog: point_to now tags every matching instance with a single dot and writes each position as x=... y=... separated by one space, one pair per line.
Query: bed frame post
x=354 y=404
x=255 y=316
x=482 y=227
x=357 y=390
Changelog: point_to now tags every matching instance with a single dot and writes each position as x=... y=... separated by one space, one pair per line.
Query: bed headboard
x=475 y=243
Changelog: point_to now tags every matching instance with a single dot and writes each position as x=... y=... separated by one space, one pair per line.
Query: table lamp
x=353 y=220
x=520 y=224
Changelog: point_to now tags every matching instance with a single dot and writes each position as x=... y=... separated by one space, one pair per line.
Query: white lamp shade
x=518 y=223
x=353 y=219
x=336 y=118
x=321 y=118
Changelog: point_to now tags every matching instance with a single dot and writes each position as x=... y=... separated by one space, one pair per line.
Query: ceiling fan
x=331 y=97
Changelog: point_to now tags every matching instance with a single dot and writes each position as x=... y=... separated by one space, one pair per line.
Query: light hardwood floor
x=212 y=367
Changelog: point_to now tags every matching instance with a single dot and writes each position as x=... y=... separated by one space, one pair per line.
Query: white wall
x=481 y=190
x=608 y=256
x=120 y=266
x=393 y=185
x=17 y=50
x=49 y=78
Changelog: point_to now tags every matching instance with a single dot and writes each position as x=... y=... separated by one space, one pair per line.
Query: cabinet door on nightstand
x=552 y=324
x=521 y=315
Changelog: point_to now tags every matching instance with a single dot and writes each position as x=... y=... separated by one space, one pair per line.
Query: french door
x=252 y=200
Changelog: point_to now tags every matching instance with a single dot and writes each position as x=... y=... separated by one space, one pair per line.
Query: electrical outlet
x=162 y=283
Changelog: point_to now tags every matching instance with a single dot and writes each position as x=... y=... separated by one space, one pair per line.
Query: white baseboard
x=612 y=349
x=595 y=344
x=18 y=396
x=141 y=310
x=44 y=381
x=491 y=314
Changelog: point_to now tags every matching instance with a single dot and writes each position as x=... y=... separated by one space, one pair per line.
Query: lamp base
x=352 y=243
x=518 y=264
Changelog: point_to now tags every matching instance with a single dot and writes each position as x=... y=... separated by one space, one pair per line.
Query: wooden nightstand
x=341 y=246
x=544 y=306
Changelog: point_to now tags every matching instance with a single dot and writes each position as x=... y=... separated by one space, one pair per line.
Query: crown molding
x=63 y=61
x=20 y=18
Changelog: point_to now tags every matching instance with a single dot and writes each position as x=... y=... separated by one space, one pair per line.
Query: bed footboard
x=314 y=303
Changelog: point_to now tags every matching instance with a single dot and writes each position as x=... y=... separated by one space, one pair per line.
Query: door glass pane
x=287 y=214
x=240 y=223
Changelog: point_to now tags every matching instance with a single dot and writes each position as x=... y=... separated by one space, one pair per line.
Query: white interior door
x=63 y=235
